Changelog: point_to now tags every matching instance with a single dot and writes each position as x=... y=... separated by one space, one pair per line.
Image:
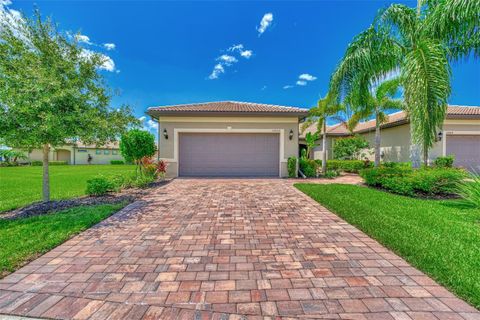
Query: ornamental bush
x=99 y=186
x=352 y=166
x=136 y=145
x=308 y=167
x=292 y=167
x=349 y=148
x=117 y=162
x=444 y=162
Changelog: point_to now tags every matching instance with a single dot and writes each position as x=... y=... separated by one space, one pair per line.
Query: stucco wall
x=166 y=146
x=318 y=150
x=79 y=157
x=395 y=143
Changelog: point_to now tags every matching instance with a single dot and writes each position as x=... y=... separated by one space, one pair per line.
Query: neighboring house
x=460 y=137
x=78 y=153
x=227 y=138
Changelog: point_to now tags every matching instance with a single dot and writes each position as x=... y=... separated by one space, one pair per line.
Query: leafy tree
x=137 y=144
x=377 y=102
x=417 y=43
x=326 y=107
x=12 y=155
x=51 y=91
x=311 y=141
x=349 y=148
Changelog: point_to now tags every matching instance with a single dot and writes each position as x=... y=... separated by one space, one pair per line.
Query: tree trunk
x=324 y=147
x=377 y=141
x=46 y=176
x=414 y=150
x=425 y=156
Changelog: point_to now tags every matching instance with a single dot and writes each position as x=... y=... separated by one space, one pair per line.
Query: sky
x=164 y=53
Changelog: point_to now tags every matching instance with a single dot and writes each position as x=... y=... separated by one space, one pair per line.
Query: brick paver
x=223 y=249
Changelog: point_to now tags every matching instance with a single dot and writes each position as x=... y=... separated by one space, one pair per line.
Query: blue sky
x=165 y=51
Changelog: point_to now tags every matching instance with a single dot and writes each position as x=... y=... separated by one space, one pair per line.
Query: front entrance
x=63 y=155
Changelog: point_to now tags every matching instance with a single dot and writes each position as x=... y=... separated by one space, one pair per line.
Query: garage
x=466 y=149
x=229 y=154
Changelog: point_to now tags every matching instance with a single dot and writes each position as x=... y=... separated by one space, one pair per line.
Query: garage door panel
x=228 y=154
x=466 y=149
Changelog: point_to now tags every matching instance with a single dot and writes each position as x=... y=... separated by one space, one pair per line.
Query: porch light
x=165 y=134
x=290 y=135
x=439 y=136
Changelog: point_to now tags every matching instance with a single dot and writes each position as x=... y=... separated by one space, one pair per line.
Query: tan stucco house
x=77 y=153
x=460 y=136
x=227 y=138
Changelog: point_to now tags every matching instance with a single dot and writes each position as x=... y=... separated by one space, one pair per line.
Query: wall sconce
x=165 y=134
x=290 y=135
x=439 y=136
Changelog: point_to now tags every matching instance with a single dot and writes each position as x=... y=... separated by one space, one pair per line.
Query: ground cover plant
x=439 y=237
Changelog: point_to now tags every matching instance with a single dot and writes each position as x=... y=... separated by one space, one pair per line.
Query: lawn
x=441 y=238
x=20 y=186
x=22 y=240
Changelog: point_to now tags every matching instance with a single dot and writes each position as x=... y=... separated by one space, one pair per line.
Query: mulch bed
x=45 y=207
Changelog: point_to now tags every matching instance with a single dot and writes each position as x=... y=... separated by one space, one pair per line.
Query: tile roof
x=227 y=107
x=398 y=118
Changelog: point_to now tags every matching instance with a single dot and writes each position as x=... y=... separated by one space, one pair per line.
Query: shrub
x=38 y=163
x=399 y=184
x=439 y=181
x=469 y=190
x=117 y=162
x=391 y=164
x=374 y=176
x=99 y=186
x=137 y=144
x=292 y=167
x=349 y=148
x=444 y=162
x=352 y=166
x=330 y=174
x=308 y=167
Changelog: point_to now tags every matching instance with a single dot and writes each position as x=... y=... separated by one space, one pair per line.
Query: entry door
x=229 y=154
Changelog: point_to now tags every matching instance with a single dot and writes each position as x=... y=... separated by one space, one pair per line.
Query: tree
x=417 y=43
x=12 y=155
x=379 y=99
x=311 y=142
x=137 y=144
x=349 y=148
x=326 y=107
x=51 y=91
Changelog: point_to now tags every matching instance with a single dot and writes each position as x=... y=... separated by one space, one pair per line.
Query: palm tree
x=326 y=107
x=379 y=99
x=417 y=43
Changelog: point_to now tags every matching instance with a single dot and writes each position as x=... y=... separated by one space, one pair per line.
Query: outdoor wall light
x=165 y=134
x=290 y=135
x=439 y=136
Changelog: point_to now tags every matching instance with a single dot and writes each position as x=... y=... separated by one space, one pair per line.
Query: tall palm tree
x=379 y=99
x=418 y=43
x=326 y=107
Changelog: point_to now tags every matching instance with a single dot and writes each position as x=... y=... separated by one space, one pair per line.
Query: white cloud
x=301 y=83
x=227 y=59
x=307 y=77
x=246 y=54
x=107 y=64
x=236 y=47
x=287 y=86
x=152 y=125
x=109 y=46
x=10 y=18
x=142 y=118
x=265 y=23
x=82 y=38
x=217 y=70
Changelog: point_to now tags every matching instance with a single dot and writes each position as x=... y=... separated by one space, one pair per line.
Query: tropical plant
x=326 y=107
x=136 y=145
x=379 y=99
x=469 y=190
x=51 y=91
x=311 y=142
x=349 y=148
x=12 y=156
x=417 y=43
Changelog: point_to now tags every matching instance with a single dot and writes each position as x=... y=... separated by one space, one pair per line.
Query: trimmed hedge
x=39 y=163
x=352 y=166
x=308 y=167
x=292 y=166
x=117 y=162
x=444 y=162
x=410 y=182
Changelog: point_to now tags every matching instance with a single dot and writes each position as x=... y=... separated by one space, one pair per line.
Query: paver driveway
x=223 y=249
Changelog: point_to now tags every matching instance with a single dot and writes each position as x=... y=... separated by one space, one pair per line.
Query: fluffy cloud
x=9 y=17
x=217 y=70
x=265 y=23
x=109 y=46
x=82 y=38
x=227 y=60
x=307 y=77
x=287 y=86
x=301 y=83
x=246 y=54
x=107 y=64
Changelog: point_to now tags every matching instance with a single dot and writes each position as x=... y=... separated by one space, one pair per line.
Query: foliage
x=37 y=163
x=162 y=168
x=416 y=44
x=330 y=174
x=392 y=164
x=12 y=156
x=444 y=162
x=292 y=167
x=351 y=166
x=99 y=186
x=311 y=142
x=439 y=237
x=308 y=167
x=51 y=91
x=21 y=186
x=136 y=145
x=407 y=181
x=349 y=148
x=21 y=240
x=117 y=162
x=469 y=190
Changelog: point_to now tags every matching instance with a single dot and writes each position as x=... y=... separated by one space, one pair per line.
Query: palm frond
x=401 y=21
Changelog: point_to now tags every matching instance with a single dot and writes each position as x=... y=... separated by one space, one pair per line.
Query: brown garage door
x=229 y=154
x=466 y=150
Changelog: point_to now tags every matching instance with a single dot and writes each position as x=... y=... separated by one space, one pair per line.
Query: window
x=114 y=152
x=82 y=150
x=98 y=151
x=106 y=151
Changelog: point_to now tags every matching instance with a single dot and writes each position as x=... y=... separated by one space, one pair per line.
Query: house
x=460 y=136
x=227 y=138
x=78 y=153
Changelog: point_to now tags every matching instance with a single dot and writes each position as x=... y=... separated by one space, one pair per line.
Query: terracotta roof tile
x=226 y=107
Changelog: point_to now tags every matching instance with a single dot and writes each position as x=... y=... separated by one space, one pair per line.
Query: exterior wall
x=77 y=156
x=395 y=143
x=318 y=150
x=168 y=148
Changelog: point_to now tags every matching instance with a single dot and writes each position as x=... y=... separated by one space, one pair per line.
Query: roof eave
x=157 y=113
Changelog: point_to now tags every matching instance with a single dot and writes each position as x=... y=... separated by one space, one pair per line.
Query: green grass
x=441 y=238
x=22 y=240
x=20 y=186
